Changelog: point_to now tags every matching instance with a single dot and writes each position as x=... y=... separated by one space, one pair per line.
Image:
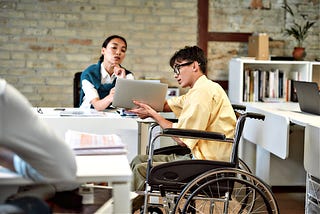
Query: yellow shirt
x=205 y=106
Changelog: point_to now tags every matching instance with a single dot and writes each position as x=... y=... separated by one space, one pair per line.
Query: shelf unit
x=308 y=71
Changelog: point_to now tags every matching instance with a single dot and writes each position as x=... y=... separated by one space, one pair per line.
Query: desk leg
x=276 y=171
x=121 y=197
x=120 y=202
x=143 y=137
x=263 y=164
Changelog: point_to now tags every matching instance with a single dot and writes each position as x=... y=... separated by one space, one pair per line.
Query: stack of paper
x=82 y=113
x=91 y=144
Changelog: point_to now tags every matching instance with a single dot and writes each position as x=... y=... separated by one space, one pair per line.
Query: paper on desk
x=80 y=112
x=87 y=143
x=88 y=113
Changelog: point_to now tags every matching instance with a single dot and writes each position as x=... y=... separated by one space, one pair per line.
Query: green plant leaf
x=297 y=30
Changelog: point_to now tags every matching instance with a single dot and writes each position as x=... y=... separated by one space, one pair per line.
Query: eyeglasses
x=176 y=69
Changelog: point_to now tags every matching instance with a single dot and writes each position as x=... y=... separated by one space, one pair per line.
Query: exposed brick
x=44 y=42
x=40 y=48
x=80 y=41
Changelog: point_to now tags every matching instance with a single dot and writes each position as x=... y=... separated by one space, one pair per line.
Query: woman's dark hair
x=193 y=53
x=106 y=42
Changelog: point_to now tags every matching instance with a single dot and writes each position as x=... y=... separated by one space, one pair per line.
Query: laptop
x=149 y=92
x=308 y=96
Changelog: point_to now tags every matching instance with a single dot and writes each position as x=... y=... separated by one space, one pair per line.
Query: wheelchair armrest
x=192 y=133
x=174 y=120
x=239 y=107
x=176 y=149
x=256 y=116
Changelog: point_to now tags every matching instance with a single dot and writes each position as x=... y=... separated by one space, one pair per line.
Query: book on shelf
x=273 y=85
x=256 y=76
x=84 y=143
x=246 y=85
x=294 y=76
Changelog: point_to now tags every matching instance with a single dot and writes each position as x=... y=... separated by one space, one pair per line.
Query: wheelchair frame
x=180 y=195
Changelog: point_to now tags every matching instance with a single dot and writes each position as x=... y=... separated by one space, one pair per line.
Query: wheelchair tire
x=153 y=210
x=226 y=190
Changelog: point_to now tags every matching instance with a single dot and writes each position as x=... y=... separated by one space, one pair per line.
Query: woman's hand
x=110 y=96
x=116 y=69
x=102 y=104
x=119 y=72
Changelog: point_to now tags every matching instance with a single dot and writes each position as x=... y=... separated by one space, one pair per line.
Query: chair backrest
x=76 y=89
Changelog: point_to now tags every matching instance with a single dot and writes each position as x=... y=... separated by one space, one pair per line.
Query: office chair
x=205 y=186
x=76 y=89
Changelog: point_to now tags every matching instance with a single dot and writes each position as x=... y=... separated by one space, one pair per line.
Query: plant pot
x=299 y=53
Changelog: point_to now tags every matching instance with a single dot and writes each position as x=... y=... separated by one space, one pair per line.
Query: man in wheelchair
x=205 y=107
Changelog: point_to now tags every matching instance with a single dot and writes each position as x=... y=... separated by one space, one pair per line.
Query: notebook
x=149 y=92
x=308 y=96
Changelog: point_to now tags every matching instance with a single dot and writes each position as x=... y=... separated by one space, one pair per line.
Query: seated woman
x=98 y=80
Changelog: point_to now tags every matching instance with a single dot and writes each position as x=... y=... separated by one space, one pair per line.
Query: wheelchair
x=205 y=186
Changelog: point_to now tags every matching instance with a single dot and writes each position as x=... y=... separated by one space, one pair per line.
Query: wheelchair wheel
x=152 y=210
x=226 y=191
x=244 y=166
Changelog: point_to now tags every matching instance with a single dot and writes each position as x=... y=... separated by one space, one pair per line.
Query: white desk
x=276 y=146
x=143 y=130
x=287 y=147
x=116 y=171
x=105 y=123
x=312 y=148
x=99 y=168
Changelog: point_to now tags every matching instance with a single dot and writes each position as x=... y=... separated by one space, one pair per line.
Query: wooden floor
x=289 y=203
x=100 y=197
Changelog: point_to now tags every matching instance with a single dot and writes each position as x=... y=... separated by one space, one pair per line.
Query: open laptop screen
x=151 y=93
x=308 y=96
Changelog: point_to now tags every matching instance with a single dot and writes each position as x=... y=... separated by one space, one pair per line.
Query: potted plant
x=298 y=30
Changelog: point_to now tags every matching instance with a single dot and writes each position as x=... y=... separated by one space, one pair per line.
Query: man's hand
x=143 y=110
x=179 y=142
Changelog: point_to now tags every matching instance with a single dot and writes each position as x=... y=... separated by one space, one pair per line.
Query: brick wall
x=44 y=42
x=240 y=16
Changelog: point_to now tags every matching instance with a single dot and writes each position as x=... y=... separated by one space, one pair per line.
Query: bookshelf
x=247 y=84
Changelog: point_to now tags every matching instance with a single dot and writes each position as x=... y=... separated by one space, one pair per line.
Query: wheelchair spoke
x=209 y=194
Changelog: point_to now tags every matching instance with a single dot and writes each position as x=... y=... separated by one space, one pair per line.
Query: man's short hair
x=191 y=53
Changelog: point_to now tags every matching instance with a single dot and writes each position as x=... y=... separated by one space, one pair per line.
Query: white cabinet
x=307 y=71
x=283 y=148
